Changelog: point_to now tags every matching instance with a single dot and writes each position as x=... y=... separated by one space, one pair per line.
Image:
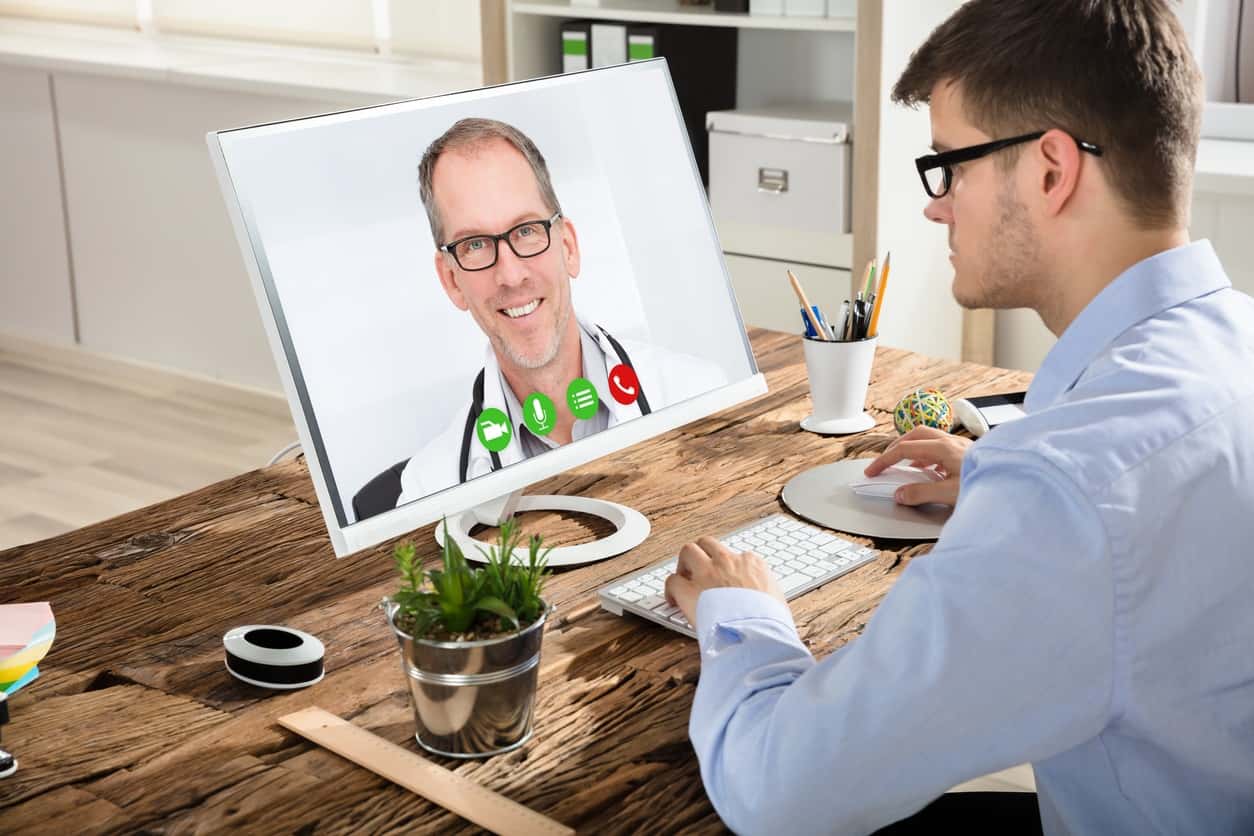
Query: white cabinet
x=158 y=272
x=36 y=297
x=766 y=299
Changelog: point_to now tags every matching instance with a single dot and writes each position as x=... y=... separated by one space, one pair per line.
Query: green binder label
x=574 y=43
x=639 y=49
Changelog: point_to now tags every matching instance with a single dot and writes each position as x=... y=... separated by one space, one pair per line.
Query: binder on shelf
x=576 y=46
x=641 y=43
x=609 y=44
x=702 y=62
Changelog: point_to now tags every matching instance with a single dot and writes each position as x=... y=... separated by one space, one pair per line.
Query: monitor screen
x=484 y=288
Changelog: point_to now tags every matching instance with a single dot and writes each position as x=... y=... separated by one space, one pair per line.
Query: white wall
x=919 y=313
x=35 y=294
x=1022 y=340
x=1212 y=25
x=436 y=28
x=1227 y=220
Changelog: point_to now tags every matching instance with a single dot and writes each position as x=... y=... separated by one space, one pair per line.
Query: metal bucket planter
x=471 y=699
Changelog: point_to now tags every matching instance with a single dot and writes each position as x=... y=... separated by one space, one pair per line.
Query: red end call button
x=624 y=387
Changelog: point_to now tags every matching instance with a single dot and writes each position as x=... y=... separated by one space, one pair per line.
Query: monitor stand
x=631 y=526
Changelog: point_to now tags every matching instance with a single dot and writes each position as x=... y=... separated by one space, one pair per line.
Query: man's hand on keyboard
x=925 y=447
x=707 y=564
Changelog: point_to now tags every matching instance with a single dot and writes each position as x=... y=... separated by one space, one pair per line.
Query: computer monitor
x=468 y=293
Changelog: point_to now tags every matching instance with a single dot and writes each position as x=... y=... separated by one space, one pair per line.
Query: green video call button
x=493 y=429
x=582 y=398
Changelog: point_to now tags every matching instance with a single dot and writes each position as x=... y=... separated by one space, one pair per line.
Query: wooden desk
x=135 y=723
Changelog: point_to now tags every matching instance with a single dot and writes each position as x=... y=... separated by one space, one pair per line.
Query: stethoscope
x=476 y=407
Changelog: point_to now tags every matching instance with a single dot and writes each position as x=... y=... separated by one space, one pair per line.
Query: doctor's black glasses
x=479 y=252
x=936 y=170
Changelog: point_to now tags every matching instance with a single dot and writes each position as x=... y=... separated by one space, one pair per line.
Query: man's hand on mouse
x=926 y=447
x=708 y=564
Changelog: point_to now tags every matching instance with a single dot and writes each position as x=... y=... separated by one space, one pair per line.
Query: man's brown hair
x=472 y=133
x=1118 y=73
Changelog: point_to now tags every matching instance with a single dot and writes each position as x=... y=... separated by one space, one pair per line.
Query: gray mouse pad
x=822 y=495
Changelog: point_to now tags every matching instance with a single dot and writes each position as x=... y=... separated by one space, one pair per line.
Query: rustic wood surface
x=135 y=725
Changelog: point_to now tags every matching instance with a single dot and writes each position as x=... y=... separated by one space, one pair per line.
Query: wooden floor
x=84 y=438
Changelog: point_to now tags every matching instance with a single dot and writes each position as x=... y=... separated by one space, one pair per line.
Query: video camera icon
x=493 y=429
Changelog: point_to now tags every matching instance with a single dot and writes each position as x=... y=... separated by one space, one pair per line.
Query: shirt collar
x=1145 y=289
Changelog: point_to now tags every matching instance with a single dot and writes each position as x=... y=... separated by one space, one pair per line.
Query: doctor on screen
x=506 y=254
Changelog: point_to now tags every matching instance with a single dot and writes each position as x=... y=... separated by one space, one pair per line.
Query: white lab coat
x=665 y=376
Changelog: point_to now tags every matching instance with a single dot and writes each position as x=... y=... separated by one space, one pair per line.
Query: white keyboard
x=802 y=556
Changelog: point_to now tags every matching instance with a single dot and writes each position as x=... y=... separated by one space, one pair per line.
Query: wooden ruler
x=415 y=773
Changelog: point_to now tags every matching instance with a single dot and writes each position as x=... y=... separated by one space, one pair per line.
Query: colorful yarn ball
x=923 y=408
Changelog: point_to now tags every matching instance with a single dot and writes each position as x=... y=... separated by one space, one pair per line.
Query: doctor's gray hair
x=471 y=133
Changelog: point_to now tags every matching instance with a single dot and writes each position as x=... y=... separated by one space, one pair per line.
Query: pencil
x=868 y=280
x=879 y=298
x=805 y=308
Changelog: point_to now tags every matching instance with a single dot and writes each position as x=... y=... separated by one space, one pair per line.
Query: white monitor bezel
x=347 y=538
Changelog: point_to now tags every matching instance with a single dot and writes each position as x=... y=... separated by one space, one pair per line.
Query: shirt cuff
x=722 y=607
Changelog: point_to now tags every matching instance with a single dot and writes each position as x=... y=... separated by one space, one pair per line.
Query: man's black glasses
x=479 y=252
x=937 y=173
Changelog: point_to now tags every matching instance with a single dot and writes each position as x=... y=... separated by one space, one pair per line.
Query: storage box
x=780 y=181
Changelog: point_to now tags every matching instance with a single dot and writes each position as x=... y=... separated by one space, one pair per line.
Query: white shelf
x=1224 y=167
x=670 y=11
x=331 y=75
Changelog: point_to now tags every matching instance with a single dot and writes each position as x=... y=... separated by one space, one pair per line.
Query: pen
x=809 y=328
x=807 y=310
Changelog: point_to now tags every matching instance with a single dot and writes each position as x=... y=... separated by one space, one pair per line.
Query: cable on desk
x=295 y=445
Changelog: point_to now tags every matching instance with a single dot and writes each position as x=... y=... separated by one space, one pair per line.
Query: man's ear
x=448 y=279
x=1060 y=162
x=570 y=246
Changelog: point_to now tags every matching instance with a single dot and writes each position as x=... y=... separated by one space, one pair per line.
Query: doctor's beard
x=523 y=361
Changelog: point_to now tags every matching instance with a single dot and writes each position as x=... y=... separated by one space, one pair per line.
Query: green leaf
x=455 y=595
x=499 y=607
x=457 y=618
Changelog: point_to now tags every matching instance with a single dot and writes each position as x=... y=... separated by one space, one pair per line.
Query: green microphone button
x=539 y=413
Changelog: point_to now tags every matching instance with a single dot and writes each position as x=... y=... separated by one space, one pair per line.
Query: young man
x=507 y=254
x=1088 y=606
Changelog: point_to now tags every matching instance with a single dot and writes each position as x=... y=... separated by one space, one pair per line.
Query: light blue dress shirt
x=1089 y=607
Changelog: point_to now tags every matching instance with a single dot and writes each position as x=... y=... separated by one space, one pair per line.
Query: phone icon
x=624 y=386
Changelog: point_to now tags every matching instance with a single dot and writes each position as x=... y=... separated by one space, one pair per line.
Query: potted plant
x=470 y=644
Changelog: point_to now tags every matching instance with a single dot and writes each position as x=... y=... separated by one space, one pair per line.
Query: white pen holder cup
x=840 y=373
